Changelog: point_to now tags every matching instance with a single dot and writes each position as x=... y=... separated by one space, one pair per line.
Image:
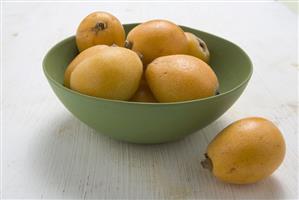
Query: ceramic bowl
x=153 y=122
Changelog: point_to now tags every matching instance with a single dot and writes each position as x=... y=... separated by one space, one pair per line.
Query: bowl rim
x=61 y=86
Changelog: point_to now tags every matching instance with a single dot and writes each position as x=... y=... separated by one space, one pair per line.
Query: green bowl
x=153 y=122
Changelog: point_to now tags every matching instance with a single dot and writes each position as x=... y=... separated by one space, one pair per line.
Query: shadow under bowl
x=153 y=122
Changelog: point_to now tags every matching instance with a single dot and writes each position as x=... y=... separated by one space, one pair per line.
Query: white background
x=47 y=153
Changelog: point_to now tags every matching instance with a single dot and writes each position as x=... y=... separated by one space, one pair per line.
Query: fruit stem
x=207 y=163
x=99 y=27
x=202 y=44
x=128 y=44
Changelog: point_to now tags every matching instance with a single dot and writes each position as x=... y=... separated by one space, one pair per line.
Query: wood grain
x=47 y=153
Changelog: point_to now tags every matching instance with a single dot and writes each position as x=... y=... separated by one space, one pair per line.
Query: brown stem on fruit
x=202 y=44
x=207 y=163
x=99 y=27
x=128 y=44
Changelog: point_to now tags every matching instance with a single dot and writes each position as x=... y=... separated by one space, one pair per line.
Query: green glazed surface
x=153 y=122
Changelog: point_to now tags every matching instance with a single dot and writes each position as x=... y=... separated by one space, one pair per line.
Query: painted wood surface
x=47 y=153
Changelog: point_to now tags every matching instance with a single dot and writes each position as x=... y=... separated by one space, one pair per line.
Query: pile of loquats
x=158 y=62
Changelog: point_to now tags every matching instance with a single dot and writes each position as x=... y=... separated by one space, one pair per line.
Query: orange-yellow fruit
x=99 y=28
x=246 y=151
x=143 y=93
x=114 y=73
x=157 y=38
x=197 y=47
x=180 y=78
x=78 y=59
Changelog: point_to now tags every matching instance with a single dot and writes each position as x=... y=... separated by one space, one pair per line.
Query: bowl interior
x=230 y=63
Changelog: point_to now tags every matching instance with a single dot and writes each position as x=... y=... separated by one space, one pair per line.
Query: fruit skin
x=143 y=93
x=180 y=78
x=99 y=28
x=197 y=47
x=157 y=38
x=114 y=73
x=78 y=59
x=246 y=151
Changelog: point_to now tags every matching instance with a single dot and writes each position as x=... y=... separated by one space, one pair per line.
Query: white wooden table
x=48 y=153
